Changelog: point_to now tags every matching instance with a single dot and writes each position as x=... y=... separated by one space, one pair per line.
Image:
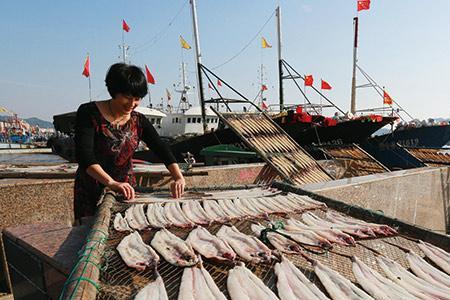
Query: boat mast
x=355 y=47
x=280 y=62
x=199 y=64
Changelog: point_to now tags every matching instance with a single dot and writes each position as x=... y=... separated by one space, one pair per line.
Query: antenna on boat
x=355 y=48
x=199 y=64
x=280 y=60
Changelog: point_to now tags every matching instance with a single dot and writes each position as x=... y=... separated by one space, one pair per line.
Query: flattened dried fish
x=339 y=287
x=355 y=230
x=279 y=242
x=210 y=246
x=413 y=284
x=332 y=235
x=175 y=215
x=155 y=290
x=213 y=209
x=437 y=255
x=242 y=284
x=230 y=209
x=376 y=285
x=174 y=250
x=426 y=271
x=120 y=223
x=292 y=284
x=195 y=212
x=197 y=284
x=156 y=217
x=135 y=253
x=377 y=228
x=135 y=217
x=247 y=247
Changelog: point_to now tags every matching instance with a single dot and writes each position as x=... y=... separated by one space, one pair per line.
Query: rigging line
x=246 y=46
x=152 y=41
x=376 y=85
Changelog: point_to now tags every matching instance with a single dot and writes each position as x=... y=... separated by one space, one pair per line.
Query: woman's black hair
x=126 y=79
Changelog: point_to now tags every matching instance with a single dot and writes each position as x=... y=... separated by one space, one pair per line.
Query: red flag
x=210 y=86
x=219 y=83
x=125 y=26
x=264 y=105
x=363 y=4
x=264 y=87
x=387 y=99
x=86 y=70
x=150 y=78
x=325 y=85
x=309 y=80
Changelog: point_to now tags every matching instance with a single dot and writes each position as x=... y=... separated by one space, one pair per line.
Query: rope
x=157 y=37
x=247 y=45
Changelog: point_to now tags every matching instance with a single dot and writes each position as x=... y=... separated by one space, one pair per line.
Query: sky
x=403 y=45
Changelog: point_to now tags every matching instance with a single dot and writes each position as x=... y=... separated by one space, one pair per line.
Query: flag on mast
x=263 y=87
x=309 y=80
x=363 y=4
x=387 y=99
x=150 y=78
x=169 y=96
x=265 y=44
x=264 y=105
x=184 y=44
x=210 y=86
x=219 y=83
x=86 y=69
x=325 y=85
x=125 y=26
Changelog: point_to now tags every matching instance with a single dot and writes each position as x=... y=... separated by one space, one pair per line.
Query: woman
x=106 y=135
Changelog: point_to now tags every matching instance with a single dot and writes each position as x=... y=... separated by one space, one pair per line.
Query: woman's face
x=126 y=103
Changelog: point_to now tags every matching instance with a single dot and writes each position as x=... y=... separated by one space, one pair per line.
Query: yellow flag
x=184 y=44
x=265 y=44
x=2 y=109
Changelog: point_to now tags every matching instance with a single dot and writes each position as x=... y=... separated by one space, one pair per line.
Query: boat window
x=158 y=121
x=199 y=120
x=153 y=120
x=207 y=120
x=189 y=120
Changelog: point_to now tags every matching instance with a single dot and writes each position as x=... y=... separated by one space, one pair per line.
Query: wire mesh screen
x=276 y=147
x=117 y=281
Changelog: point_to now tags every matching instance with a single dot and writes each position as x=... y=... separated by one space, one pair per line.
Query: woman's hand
x=122 y=187
x=177 y=187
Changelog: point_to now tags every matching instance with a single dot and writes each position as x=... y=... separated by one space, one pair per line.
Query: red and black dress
x=98 y=142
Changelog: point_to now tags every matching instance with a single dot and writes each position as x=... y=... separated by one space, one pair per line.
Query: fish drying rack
x=101 y=274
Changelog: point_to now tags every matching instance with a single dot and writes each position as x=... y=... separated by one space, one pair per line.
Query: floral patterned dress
x=113 y=148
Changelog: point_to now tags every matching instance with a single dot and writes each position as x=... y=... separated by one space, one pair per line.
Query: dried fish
x=175 y=215
x=210 y=246
x=292 y=284
x=426 y=271
x=156 y=217
x=376 y=228
x=332 y=235
x=197 y=283
x=248 y=247
x=230 y=209
x=135 y=217
x=337 y=286
x=174 y=250
x=437 y=255
x=278 y=241
x=195 y=212
x=376 y=285
x=135 y=253
x=213 y=209
x=413 y=284
x=120 y=223
x=155 y=290
x=242 y=284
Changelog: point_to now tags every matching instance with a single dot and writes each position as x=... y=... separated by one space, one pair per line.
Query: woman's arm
x=178 y=184
x=97 y=172
x=154 y=142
